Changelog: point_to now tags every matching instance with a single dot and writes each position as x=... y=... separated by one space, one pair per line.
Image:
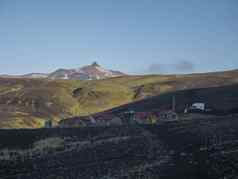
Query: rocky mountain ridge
x=89 y=72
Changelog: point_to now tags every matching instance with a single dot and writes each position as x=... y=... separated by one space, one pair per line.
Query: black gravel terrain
x=193 y=149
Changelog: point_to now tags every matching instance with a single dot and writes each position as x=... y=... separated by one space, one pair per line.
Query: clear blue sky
x=127 y=35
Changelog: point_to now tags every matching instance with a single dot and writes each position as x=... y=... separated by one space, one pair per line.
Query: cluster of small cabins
x=132 y=117
x=125 y=118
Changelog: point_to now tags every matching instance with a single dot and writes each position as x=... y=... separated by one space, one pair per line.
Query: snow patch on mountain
x=89 y=72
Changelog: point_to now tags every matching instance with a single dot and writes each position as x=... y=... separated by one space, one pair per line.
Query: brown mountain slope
x=28 y=102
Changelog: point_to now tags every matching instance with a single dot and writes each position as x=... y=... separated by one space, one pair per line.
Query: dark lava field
x=186 y=149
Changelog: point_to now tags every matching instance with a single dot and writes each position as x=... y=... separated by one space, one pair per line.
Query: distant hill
x=35 y=75
x=26 y=102
x=89 y=72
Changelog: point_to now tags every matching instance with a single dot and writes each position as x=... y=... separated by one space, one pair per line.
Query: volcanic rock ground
x=195 y=148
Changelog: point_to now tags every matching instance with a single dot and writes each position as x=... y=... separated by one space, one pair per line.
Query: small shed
x=145 y=118
x=107 y=119
x=73 y=122
x=48 y=124
x=167 y=116
x=115 y=121
x=128 y=117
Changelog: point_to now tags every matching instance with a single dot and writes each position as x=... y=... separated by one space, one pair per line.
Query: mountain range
x=89 y=72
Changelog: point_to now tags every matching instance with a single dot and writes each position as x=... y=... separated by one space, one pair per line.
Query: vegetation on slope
x=29 y=102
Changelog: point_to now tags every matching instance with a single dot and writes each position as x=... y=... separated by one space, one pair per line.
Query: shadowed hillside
x=28 y=102
x=223 y=99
